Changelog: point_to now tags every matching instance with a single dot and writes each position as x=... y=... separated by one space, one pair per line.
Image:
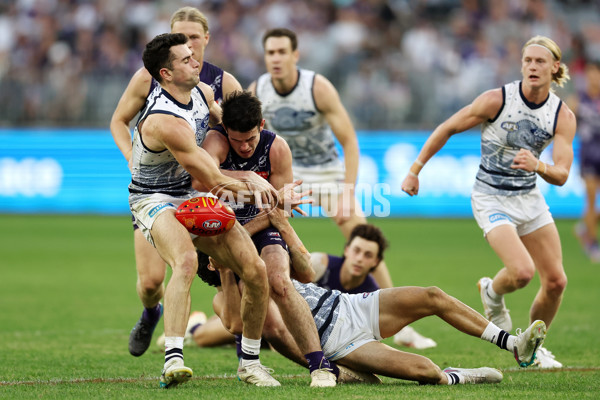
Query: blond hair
x=560 y=76
x=191 y=14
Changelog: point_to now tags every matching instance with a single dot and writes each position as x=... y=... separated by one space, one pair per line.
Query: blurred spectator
x=399 y=64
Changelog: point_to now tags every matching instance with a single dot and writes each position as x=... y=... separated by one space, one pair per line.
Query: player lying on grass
x=351 y=273
x=351 y=325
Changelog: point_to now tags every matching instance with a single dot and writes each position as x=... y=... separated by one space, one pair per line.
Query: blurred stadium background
x=401 y=66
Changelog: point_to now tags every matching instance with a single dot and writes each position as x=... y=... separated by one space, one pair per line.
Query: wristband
x=419 y=162
x=413 y=174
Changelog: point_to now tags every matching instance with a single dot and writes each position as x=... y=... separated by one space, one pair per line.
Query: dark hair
x=281 y=32
x=242 y=111
x=157 y=53
x=211 y=277
x=371 y=233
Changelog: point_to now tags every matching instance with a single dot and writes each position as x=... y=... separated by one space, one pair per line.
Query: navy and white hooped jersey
x=294 y=116
x=158 y=171
x=519 y=124
x=323 y=304
x=259 y=163
x=209 y=74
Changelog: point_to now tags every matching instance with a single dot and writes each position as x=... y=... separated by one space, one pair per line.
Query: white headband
x=543 y=47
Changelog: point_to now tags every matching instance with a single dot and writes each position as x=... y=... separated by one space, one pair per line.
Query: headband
x=543 y=47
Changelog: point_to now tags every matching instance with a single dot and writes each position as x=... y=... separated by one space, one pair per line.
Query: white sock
x=491 y=333
x=250 y=347
x=173 y=348
x=492 y=295
x=173 y=342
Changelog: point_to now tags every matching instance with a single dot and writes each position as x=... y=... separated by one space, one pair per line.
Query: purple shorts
x=267 y=237
x=589 y=158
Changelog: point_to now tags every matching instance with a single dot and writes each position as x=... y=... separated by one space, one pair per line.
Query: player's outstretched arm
x=301 y=264
x=131 y=102
x=486 y=106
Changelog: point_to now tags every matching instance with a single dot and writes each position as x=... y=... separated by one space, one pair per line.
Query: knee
x=233 y=325
x=186 y=265
x=255 y=275
x=556 y=285
x=434 y=296
x=426 y=372
x=280 y=285
x=151 y=278
x=273 y=329
x=523 y=275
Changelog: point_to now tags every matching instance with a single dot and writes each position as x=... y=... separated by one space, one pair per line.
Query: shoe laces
x=144 y=327
x=545 y=352
x=518 y=331
x=322 y=374
x=259 y=368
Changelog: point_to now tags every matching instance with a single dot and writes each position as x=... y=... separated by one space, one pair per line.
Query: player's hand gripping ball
x=205 y=216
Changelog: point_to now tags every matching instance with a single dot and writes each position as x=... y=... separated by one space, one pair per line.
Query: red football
x=205 y=216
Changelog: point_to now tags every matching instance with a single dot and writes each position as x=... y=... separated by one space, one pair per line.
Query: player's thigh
x=172 y=240
x=509 y=247
x=400 y=306
x=149 y=264
x=545 y=249
x=235 y=250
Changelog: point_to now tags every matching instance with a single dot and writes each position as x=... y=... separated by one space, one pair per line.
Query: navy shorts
x=268 y=237
x=589 y=158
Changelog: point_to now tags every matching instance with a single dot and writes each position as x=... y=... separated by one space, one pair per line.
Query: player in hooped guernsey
x=159 y=172
x=295 y=117
x=519 y=125
x=518 y=121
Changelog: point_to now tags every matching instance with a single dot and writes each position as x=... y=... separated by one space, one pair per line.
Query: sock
x=335 y=369
x=250 y=351
x=316 y=360
x=173 y=348
x=193 y=328
x=499 y=337
x=493 y=296
x=453 y=378
x=238 y=346
x=152 y=313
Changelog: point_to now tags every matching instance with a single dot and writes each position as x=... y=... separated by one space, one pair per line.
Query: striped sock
x=499 y=337
x=453 y=378
x=250 y=351
x=173 y=348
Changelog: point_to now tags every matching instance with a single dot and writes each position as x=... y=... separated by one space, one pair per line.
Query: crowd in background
x=398 y=64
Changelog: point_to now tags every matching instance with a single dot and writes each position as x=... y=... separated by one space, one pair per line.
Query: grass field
x=68 y=302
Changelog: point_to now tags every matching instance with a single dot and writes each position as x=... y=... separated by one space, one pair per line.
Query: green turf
x=68 y=301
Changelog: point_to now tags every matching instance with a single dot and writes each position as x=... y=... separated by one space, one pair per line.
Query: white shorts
x=357 y=324
x=527 y=213
x=325 y=178
x=147 y=210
